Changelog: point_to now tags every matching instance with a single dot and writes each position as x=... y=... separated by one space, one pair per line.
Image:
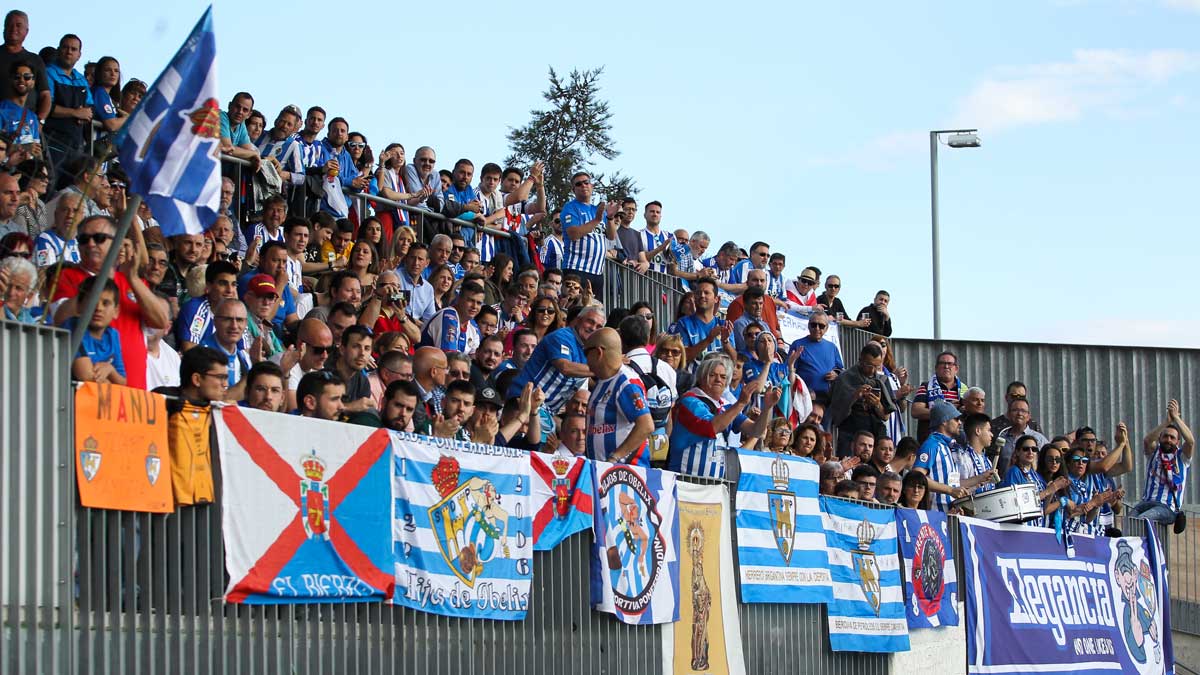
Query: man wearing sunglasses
x=314 y=341
x=820 y=361
x=586 y=227
x=139 y=306
x=18 y=122
x=16 y=29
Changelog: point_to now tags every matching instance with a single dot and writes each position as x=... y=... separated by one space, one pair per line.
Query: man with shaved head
x=618 y=418
x=429 y=374
x=313 y=343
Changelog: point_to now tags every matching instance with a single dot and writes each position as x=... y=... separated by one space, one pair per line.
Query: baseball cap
x=490 y=396
x=942 y=412
x=262 y=284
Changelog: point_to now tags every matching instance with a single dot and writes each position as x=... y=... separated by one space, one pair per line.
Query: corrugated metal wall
x=36 y=406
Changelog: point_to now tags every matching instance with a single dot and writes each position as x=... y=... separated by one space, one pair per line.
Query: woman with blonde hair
x=669 y=349
x=403 y=237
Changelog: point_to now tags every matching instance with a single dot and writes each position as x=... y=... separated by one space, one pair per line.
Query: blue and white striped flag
x=867 y=612
x=462 y=528
x=170 y=147
x=780 y=533
x=930 y=583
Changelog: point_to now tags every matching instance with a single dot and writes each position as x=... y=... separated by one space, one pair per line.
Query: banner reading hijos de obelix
x=462 y=528
x=1031 y=607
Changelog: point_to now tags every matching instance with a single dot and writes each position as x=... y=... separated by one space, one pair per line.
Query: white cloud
x=1094 y=80
x=879 y=153
x=1185 y=5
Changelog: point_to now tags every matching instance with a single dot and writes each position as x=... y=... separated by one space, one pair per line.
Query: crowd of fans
x=485 y=324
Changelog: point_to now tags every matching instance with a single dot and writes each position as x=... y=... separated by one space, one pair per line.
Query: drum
x=1014 y=504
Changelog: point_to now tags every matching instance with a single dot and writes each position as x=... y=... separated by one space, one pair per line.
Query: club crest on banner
x=468 y=522
x=635 y=548
x=929 y=584
x=89 y=458
x=562 y=485
x=782 y=504
x=865 y=565
x=153 y=463
x=314 y=497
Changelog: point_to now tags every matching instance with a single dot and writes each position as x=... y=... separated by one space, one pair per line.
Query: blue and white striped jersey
x=613 y=407
x=653 y=241
x=539 y=369
x=936 y=456
x=1166 y=478
x=446 y=331
x=585 y=254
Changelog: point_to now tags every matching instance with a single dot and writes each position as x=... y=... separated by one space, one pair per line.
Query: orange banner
x=121 y=457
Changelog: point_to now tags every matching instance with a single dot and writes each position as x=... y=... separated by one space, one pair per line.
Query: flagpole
x=110 y=262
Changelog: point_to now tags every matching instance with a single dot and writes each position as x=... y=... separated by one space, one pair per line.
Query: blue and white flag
x=780 y=532
x=867 y=612
x=1031 y=607
x=930 y=585
x=635 y=567
x=170 y=147
x=462 y=528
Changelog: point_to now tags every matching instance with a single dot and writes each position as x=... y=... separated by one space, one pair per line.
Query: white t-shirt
x=162 y=370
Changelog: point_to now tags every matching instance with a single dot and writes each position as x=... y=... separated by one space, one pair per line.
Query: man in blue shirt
x=936 y=458
x=558 y=365
x=420 y=304
x=71 y=114
x=820 y=361
x=618 y=417
x=235 y=140
x=583 y=235
x=704 y=331
x=337 y=158
x=760 y=254
x=16 y=121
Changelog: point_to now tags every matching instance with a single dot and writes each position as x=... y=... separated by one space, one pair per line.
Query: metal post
x=110 y=262
x=937 y=277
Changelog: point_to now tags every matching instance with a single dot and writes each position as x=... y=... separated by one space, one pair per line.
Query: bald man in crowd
x=618 y=418
x=429 y=374
x=313 y=344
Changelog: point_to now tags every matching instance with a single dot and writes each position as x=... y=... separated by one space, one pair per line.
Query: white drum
x=1014 y=504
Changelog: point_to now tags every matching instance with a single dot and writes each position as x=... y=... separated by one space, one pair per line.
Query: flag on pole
x=170 y=147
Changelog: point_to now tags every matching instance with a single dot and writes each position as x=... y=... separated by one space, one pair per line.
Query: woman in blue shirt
x=107 y=85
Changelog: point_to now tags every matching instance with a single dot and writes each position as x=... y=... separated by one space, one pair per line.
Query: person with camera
x=859 y=400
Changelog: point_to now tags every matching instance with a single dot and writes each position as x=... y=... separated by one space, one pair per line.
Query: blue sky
x=804 y=124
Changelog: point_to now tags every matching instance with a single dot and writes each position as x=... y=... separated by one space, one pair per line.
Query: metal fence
x=624 y=286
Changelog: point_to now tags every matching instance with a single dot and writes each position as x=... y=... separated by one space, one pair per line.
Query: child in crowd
x=99 y=358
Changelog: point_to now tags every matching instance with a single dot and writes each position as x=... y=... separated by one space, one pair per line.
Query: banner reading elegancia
x=462 y=528
x=1104 y=610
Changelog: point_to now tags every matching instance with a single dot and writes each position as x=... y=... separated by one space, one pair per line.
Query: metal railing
x=624 y=286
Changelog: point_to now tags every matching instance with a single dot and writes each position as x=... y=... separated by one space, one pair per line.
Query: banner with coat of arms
x=635 y=566
x=780 y=531
x=305 y=509
x=462 y=527
x=707 y=639
x=930 y=583
x=121 y=449
x=562 y=497
x=867 y=612
x=1032 y=607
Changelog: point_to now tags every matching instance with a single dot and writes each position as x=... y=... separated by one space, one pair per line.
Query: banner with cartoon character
x=304 y=511
x=122 y=459
x=707 y=639
x=462 y=527
x=562 y=497
x=1030 y=607
x=635 y=567
x=867 y=612
x=780 y=533
x=930 y=586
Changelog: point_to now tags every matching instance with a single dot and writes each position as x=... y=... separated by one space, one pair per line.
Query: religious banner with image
x=635 y=565
x=930 y=585
x=305 y=508
x=1030 y=607
x=780 y=531
x=867 y=612
x=707 y=639
x=463 y=528
x=121 y=455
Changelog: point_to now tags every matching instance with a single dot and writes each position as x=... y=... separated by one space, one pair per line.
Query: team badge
x=562 y=485
x=314 y=497
x=153 y=463
x=929 y=559
x=635 y=548
x=781 y=503
x=89 y=458
x=470 y=527
x=866 y=566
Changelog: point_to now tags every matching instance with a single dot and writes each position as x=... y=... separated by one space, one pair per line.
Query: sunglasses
x=22 y=254
x=1029 y=448
x=356 y=144
x=318 y=349
x=580 y=183
x=27 y=77
x=99 y=238
x=1056 y=460
x=821 y=326
x=833 y=285
x=1080 y=459
x=117 y=185
x=544 y=310
x=425 y=160
x=460 y=249
x=808 y=282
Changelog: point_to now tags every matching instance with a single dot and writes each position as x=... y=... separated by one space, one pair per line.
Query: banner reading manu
x=463 y=528
x=1030 y=608
x=121 y=455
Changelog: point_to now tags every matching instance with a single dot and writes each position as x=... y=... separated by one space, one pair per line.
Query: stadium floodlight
x=959 y=138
